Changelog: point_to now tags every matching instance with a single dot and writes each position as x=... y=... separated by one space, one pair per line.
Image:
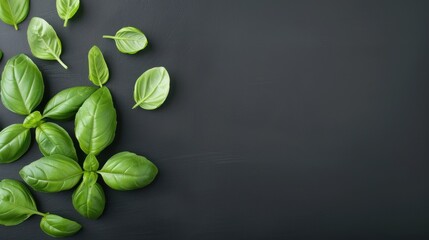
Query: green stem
x=137 y=104
x=39 y=213
x=61 y=62
x=15 y=26
x=109 y=37
x=65 y=22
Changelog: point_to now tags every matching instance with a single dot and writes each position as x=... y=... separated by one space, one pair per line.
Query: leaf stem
x=65 y=22
x=61 y=62
x=109 y=37
x=38 y=213
x=137 y=104
x=15 y=26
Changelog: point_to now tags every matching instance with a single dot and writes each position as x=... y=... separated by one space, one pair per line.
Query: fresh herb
x=1 y=54
x=67 y=9
x=95 y=122
x=14 y=12
x=53 y=139
x=17 y=204
x=128 y=171
x=88 y=198
x=56 y=226
x=151 y=88
x=14 y=142
x=98 y=70
x=65 y=104
x=53 y=173
x=21 y=85
x=43 y=40
x=129 y=40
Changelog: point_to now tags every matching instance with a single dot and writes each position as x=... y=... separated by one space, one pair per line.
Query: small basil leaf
x=16 y=203
x=88 y=198
x=21 y=85
x=65 y=104
x=52 y=174
x=67 y=9
x=57 y=226
x=128 y=171
x=43 y=40
x=98 y=70
x=14 y=142
x=129 y=40
x=151 y=88
x=95 y=122
x=33 y=120
x=53 y=139
x=91 y=163
x=14 y=12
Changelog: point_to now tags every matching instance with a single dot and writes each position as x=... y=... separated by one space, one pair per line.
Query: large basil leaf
x=98 y=70
x=95 y=123
x=65 y=104
x=52 y=173
x=13 y=12
x=16 y=203
x=14 y=142
x=21 y=85
x=43 y=40
x=67 y=9
x=57 y=226
x=128 y=171
x=151 y=88
x=53 y=139
x=88 y=198
x=129 y=40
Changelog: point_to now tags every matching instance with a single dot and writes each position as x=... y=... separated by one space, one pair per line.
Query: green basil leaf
x=14 y=142
x=91 y=163
x=98 y=70
x=88 y=198
x=14 y=12
x=21 y=85
x=52 y=174
x=128 y=171
x=33 y=120
x=16 y=203
x=95 y=123
x=1 y=54
x=57 y=226
x=53 y=139
x=65 y=104
x=43 y=40
x=151 y=88
x=67 y=9
x=129 y=40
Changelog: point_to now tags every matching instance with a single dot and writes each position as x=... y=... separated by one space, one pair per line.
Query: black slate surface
x=286 y=119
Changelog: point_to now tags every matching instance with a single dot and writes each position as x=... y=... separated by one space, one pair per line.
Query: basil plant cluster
x=22 y=90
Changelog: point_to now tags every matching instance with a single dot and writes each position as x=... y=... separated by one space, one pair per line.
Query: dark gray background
x=286 y=119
